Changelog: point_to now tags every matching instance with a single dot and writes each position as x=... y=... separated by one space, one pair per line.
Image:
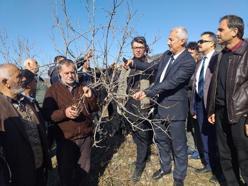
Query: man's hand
x=211 y=119
x=127 y=64
x=88 y=55
x=246 y=129
x=71 y=112
x=139 y=95
x=194 y=116
x=87 y=92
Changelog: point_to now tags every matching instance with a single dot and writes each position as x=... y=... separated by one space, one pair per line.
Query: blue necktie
x=201 y=79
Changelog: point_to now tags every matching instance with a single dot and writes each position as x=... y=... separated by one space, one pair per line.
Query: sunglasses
x=202 y=41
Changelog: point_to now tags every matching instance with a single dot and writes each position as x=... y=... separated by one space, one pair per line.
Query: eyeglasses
x=203 y=41
x=135 y=48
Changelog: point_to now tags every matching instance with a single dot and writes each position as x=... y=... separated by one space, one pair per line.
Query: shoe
x=205 y=169
x=148 y=159
x=178 y=182
x=195 y=155
x=136 y=175
x=213 y=179
x=159 y=174
x=190 y=151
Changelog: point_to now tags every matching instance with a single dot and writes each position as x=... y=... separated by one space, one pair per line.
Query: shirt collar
x=237 y=46
x=176 y=56
x=70 y=88
x=209 y=55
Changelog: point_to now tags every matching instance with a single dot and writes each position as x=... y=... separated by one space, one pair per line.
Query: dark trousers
x=233 y=148
x=170 y=138
x=69 y=157
x=191 y=122
x=208 y=140
x=41 y=177
x=198 y=141
x=4 y=171
x=142 y=136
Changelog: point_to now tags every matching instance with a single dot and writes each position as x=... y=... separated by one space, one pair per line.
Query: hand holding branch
x=88 y=55
x=127 y=64
x=139 y=95
x=71 y=112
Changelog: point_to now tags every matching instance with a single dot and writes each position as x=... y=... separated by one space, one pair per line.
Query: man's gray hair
x=66 y=62
x=182 y=33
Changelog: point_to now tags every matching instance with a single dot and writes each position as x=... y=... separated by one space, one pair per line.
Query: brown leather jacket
x=236 y=85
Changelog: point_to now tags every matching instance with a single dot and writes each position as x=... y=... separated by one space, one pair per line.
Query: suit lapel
x=209 y=70
x=175 y=63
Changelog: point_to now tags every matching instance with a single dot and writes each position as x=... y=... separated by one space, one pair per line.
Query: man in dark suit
x=204 y=130
x=174 y=71
x=193 y=49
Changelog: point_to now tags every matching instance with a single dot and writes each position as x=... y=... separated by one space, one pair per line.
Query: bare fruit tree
x=108 y=42
x=16 y=51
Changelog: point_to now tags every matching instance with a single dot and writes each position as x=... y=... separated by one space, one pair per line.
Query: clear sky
x=33 y=20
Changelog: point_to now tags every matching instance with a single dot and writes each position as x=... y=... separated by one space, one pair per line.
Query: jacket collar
x=239 y=49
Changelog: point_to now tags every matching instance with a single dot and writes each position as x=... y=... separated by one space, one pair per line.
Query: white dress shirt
x=166 y=66
x=207 y=60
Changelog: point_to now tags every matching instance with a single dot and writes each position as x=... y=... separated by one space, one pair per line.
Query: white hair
x=181 y=32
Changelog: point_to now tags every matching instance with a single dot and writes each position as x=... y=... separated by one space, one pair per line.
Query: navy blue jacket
x=171 y=93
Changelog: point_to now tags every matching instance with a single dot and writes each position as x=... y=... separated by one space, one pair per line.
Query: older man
x=22 y=135
x=174 y=71
x=41 y=87
x=69 y=106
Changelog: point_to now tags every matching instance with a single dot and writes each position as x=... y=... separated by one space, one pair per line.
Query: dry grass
x=116 y=170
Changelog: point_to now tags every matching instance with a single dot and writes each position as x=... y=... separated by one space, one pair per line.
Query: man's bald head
x=10 y=80
x=31 y=65
x=7 y=70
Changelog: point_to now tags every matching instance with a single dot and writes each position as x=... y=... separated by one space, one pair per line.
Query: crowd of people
x=192 y=87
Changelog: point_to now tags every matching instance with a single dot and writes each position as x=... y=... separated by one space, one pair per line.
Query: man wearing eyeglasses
x=205 y=132
x=138 y=80
x=228 y=100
